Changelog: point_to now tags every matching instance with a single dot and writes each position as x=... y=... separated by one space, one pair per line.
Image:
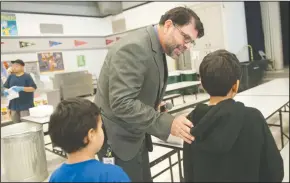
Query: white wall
x=28 y=25
x=235 y=30
x=139 y=17
x=233 y=18
x=148 y=13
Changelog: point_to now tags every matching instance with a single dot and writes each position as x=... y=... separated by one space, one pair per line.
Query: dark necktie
x=148 y=139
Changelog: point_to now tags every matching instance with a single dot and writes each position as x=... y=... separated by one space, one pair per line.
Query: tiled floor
x=54 y=161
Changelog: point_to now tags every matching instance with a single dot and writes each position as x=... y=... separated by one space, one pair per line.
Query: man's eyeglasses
x=187 y=38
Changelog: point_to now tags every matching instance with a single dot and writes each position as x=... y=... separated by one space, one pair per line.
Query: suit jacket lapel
x=165 y=77
x=158 y=58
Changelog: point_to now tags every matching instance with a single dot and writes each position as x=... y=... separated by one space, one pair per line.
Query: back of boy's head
x=219 y=71
x=70 y=123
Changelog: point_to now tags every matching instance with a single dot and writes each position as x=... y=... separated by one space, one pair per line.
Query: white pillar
x=272 y=32
x=266 y=28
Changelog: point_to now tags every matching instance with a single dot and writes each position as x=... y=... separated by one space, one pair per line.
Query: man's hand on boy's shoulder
x=181 y=128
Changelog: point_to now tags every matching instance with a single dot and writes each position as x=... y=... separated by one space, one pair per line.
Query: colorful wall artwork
x=8 y=25
x=24 y=44
x=5 y=65
x=81 y=60
x=50 y=62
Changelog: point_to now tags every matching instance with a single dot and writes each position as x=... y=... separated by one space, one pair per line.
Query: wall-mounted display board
x=50 y=62
x=5 y=65
x=81 y=60
x=32 y=68
x=8 y=24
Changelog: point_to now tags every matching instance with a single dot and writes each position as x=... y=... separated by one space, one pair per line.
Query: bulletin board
x=50 y=62
x=8 y=24
x=32 y=68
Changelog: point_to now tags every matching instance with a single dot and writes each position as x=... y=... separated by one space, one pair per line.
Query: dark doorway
x=284 y=13
x=255 y=32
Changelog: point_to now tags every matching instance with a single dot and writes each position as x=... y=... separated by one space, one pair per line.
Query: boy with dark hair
x=76 y=127
x=232 y=142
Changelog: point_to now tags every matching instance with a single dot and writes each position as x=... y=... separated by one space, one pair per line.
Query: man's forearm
x=29 y=89
x=161 y=129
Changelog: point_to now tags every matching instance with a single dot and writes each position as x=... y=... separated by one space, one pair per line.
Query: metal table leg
x=280 y=116
x=179 y=166
x=171 y=172
x=183 y=98
x=281 y=128
x=285 y=108
x=172 y=101
x=160 y=159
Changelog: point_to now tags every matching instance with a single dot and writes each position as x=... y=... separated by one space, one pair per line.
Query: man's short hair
x=70 y=123
x=182 y=16
x=219 y=71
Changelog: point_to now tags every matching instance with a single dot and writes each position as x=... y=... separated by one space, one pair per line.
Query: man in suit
x=131 y=86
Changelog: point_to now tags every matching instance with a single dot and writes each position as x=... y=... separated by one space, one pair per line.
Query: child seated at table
x=232 y=142
x=76 y=127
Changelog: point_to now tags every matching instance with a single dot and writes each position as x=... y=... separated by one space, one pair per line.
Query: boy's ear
x=99 y=121
x=236 y=87
x=89 y=136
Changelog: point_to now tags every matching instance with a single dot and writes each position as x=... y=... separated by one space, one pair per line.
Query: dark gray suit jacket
x=131 y=85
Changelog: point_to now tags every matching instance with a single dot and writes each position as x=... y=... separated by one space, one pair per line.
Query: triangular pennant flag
x=117 y=38
x=54 y=43
x=25 y=44
x=108 y=41
x=78 y=43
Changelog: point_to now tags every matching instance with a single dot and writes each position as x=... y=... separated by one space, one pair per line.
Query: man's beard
x=169 y=50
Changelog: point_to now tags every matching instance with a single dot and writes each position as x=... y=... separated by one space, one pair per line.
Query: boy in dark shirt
x=23 y=84
x=76 y=127
x=232 y=142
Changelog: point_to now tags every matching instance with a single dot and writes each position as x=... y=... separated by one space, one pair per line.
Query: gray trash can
x=23 y=153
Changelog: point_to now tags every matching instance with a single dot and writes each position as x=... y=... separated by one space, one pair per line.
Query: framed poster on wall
x=33 y=69
x=81 y=60
x=5 y=65
x=50 y=62
x=8 y=25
